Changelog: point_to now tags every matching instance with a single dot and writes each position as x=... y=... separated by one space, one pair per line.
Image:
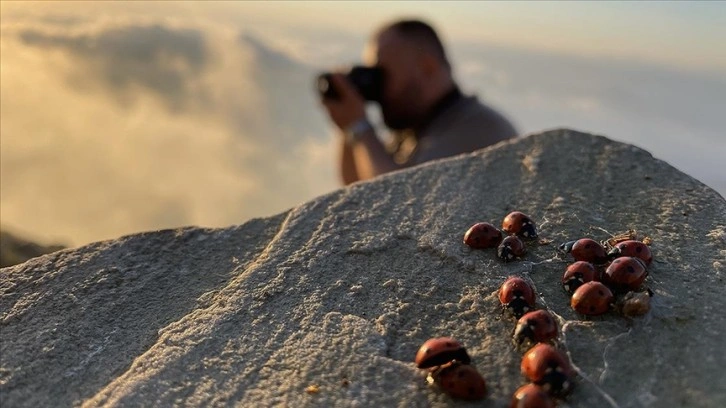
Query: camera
x=367 y=80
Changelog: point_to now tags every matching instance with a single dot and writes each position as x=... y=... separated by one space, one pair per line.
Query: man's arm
x=348 y=171
x=371 y=157
x=363 y=155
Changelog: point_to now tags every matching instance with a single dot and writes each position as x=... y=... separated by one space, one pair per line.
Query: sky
x=121 y=117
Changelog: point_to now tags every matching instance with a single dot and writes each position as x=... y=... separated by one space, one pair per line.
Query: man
x=421 y=104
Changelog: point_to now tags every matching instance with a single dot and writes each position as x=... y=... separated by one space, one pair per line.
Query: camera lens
x=368 y=81
x=325 y=86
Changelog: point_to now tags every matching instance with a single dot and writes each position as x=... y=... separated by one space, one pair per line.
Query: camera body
x=368 y=81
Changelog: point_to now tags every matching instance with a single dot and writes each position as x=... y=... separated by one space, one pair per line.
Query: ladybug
x=592 y=298
x=531 y=396
x=546 y=366
x=626 y=272
x=519 y=224
x=632 y=248
x=576 y=274
x=517 y=295
x=510 y=248
x=483 y=235
x=460 y=381
x=588 y=250
x=567 y=246
x=440 y=350
x=537 y=326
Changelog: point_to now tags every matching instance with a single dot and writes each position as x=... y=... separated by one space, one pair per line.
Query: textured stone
x=327 y=304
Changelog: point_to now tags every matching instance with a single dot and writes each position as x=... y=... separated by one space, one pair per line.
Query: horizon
x=127 y=117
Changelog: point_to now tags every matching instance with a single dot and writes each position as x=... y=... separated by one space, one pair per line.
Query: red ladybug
x=460 y=381
x=632 y=248
x=592 y=298
x=517 y=295
x=440 y=350
x=546 y=366
x=519 y=224
x=531 y=396
x=537 y=326
x=576 y=274
x=626 y=272
x=510 y=248
x=588 y=250
x=483 y=235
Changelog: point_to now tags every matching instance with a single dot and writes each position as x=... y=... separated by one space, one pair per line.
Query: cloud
x=674 y=114
x=151 y=57
x=566 y=82
x=117 y=127
x=288 y=92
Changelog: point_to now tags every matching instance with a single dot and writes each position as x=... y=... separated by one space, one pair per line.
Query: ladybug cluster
x=450 y=368
x=547 y=369
x=519 y=226
x=601 y=271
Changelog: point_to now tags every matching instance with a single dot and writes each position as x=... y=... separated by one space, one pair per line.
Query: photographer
x=420 y=103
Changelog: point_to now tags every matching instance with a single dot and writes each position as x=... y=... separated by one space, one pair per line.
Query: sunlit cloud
x=119 y=117
x=145 y=126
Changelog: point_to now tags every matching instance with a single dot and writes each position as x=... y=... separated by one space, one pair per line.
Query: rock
x=15 y=250
x=327 y=304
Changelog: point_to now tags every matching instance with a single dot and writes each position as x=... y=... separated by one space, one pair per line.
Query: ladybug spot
x=601 y=293
x=472 y=391
x=592 y=308
x=639 y=249
x=449 y=344
x=630 y=269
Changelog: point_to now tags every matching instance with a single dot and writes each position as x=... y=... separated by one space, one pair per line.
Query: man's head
x=416 y=71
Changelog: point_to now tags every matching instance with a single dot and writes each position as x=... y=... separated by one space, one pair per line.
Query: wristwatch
x=356 y=130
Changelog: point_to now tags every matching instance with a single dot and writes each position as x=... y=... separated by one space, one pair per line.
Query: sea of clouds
x=114 y=125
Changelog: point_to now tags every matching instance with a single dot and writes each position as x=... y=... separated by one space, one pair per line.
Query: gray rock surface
x=340 y=292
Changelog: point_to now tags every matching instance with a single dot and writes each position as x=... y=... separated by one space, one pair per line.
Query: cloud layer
x=113 y=126
x=114 y=129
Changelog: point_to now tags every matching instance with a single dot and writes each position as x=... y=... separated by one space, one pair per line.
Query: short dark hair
x=420 y=32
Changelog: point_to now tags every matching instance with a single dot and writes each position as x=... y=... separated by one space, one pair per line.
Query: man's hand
x=349 y=107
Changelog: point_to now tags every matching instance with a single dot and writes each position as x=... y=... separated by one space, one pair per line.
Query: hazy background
x=119 y=117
